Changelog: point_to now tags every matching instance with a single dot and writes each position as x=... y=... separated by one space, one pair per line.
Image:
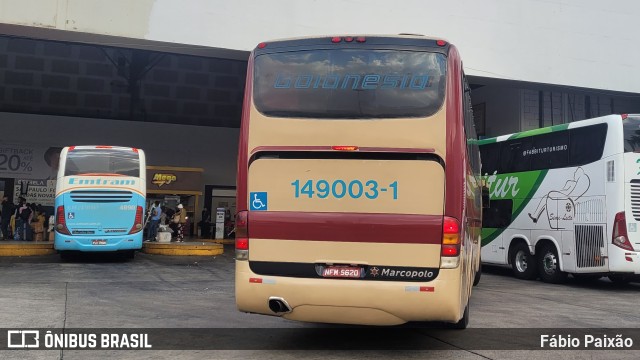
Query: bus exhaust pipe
x=279 y=306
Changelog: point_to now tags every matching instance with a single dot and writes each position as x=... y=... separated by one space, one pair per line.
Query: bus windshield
x=102 y=162
x=349 y=84
x=631 y=129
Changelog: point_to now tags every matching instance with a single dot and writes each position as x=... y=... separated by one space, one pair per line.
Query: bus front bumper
x=96 y=243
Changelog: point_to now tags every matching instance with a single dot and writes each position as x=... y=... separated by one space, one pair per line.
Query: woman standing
x=182 y=220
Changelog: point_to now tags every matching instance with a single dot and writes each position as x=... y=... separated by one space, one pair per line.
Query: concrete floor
x=164 y=292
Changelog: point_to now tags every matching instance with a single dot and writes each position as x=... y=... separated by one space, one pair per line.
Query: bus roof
x=365 y=40
x=548 y=129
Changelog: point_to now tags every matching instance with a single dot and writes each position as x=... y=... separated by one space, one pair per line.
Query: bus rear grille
x=590 y=211
x=634 y=190
x=101 y=196
x=589 y=244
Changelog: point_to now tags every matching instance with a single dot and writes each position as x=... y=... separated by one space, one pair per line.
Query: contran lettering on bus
x=99 y=182
x=353 y=81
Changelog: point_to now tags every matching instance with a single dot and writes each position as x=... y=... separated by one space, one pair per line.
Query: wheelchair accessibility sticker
x=258 y=200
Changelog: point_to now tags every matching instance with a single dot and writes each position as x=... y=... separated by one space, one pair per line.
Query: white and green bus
x=565 y=200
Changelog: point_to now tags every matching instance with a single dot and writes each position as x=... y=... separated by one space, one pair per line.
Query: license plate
x=98 y=242
x=342 y=272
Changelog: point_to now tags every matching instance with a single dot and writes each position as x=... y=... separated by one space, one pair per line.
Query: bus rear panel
x=345 y=216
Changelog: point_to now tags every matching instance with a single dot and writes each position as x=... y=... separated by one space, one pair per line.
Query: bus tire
x=476 y=278
x=464 y=322
x=619 y=279
x=549 y=265
x=65 y=255
x=523 y=263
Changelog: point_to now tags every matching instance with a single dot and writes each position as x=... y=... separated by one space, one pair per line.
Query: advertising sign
x=41 y=192
x=20 y=161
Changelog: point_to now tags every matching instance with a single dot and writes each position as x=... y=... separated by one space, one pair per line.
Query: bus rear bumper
x=624 y=261
x=358 y=302
x=86 y=243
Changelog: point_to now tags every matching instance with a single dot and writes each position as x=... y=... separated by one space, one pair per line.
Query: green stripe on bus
x=529 y=183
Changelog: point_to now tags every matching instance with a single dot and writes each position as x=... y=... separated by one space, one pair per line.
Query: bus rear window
x=349 y=84
x=631 y=129
x=102 y=162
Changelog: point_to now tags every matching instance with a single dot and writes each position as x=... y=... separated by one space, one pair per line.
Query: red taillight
x=450 y=237
x=71 y=148
x=361 y=39
x=336 y=39
x=624 y=116
x=134 y=150
x=344 y=148
x=348 y=39
x=441 y=42
x=61 y=222
x=242 y=230
x=104 y=147
x=137 y=224
x=262 y=45
x=619 y=237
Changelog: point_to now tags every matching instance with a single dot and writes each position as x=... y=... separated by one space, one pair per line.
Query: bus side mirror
x=486 y=200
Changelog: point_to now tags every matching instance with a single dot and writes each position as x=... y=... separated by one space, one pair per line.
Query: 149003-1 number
x=339 y=189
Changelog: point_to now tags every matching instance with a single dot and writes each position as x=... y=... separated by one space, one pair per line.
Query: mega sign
x=163 y=179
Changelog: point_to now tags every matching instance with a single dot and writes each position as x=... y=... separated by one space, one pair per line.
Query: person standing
x=182 y=220
x=5 y=217
x=22 y=215
x=156 y=213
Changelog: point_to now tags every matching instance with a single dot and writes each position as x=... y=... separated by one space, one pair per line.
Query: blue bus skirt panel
x=95 y=243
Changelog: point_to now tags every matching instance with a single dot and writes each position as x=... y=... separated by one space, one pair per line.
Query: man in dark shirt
x=5 y=216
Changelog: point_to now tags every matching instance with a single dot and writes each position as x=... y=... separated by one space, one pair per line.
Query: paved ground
x=197 y=292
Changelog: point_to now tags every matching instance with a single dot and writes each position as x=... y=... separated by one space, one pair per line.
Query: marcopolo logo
x=161 y=179
x=408 y=273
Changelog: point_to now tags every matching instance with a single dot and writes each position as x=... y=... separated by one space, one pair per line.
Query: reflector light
x=242 y=244
x=134 y=150
x=628 y=258
x=450 y=237
x=344 y=148
x=348 y=39
x=361 y=39
x=336 y=39
x=255 y=280
x=137 y=224
x=619 y=236
x=441 y=43
x=262 y=45
x=103 y=147
x=624 y=116
x=450 y=226
x=61 y=222
x=449 y=250
x=427 y=288
x=71 y=148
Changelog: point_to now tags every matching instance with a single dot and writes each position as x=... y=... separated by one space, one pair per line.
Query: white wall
x=211 y=148
x=583 y=43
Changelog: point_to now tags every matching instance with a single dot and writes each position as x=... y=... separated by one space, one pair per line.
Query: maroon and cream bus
x=358 y=197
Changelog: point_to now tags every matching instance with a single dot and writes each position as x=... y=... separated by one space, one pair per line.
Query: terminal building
x=168 y=76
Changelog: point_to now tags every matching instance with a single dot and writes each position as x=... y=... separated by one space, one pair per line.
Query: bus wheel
x=464 y=322
x=65 y=255
x=549 y=265
x=522 y=262
x=476 y=279
x=619 y=279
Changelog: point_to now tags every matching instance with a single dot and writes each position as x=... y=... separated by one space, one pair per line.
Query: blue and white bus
x=100 y=199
